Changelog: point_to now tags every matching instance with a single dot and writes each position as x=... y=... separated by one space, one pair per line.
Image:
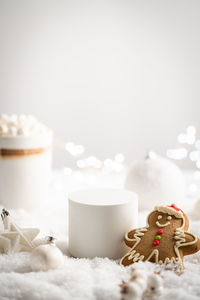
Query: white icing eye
x=159 y=217
x=169 y=218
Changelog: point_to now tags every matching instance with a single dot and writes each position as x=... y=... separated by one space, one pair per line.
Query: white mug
x=25 y=166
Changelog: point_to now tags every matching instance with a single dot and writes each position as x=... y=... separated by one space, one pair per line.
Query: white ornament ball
x=135 y=287
x=154 y=286
x=46 y=257
x=156 y=180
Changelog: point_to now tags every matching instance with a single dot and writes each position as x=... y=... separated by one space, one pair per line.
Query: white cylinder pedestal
x=98 y=221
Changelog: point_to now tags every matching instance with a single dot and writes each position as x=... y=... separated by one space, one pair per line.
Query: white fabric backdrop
x=115 y=76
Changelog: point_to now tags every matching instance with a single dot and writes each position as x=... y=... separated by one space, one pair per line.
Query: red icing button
x=156 y=242
x=160 y=231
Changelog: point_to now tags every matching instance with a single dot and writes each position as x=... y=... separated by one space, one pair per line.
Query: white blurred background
x=114 y=76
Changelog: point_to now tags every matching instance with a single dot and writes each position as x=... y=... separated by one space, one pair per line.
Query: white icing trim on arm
x=138 y=232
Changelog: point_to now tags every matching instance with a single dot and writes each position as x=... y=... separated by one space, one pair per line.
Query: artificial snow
x=80 y=279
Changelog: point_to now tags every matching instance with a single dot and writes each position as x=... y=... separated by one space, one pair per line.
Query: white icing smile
x=162 y=225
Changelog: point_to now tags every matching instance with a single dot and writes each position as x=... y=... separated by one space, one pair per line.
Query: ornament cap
x=151 y=154
x=4 y=214
x=50 y=239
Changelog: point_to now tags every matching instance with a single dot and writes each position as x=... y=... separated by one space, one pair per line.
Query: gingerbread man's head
x=168 y=217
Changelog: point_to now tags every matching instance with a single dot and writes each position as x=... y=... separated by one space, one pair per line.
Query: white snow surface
x=97 y=278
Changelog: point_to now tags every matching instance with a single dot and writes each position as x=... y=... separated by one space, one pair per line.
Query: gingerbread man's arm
x=129 y=238
x=191 y=244
x=132 y=236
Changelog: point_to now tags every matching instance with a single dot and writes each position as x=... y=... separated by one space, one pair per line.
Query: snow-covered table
x=83 y=278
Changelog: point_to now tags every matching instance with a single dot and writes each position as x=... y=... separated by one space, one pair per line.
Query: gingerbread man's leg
x=134 y=256
x=125 y=261
x=131 y=257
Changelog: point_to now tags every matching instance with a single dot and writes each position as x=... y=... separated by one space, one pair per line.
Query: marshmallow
x=13 y=131
x=21 y=125
x=3 y=129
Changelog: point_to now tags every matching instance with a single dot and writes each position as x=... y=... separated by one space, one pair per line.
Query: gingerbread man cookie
x=164 y=239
